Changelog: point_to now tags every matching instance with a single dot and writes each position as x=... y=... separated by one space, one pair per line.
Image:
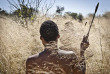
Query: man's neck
x=51 y=45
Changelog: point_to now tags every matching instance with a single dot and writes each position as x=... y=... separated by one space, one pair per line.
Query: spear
x=86 y=37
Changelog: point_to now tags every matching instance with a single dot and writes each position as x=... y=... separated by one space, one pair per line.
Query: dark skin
x=37 y=60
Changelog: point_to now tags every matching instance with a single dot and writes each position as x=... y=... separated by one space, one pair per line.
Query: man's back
x=53 y=61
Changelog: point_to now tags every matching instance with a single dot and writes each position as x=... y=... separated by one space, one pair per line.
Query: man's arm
x=78 y=70
x=80 y=66
x=83 y=46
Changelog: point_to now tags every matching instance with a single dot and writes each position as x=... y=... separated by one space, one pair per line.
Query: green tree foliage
x=24 y=12
x=24 y=8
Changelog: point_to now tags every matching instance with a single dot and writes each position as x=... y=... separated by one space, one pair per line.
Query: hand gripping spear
x=86 y=37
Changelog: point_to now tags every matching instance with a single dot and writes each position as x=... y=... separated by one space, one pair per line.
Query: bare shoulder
x=68 y=54
x=36 y=57
x=65 y=52
x=33 y=56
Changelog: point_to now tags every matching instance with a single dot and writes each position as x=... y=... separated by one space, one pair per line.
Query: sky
x=79 y=6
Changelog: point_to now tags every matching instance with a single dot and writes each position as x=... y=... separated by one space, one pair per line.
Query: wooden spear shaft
x=93 y=18
x=86 y=37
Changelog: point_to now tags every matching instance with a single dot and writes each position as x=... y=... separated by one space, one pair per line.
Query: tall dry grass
x=17 y=42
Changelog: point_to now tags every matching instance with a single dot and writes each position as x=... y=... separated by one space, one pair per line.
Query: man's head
x=49 y=31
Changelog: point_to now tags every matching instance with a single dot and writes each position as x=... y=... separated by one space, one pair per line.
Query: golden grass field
x=18 y=43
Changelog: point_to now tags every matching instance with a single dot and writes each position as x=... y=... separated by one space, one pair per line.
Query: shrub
x=3 y=12
x=106 y=14
x=90 y=15
x=72 y=14
x=80 y=17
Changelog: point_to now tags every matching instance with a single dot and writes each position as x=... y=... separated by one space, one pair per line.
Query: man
x=53 y=60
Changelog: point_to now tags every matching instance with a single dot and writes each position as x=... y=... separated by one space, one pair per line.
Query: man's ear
x=58 y=36
x=40 y=37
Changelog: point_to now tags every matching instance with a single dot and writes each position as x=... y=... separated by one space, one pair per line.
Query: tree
x=29 y=8
x=59 y=10
x=24 y=12
x=23 y=8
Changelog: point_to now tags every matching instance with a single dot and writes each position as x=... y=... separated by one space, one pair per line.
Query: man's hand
x=85 y=43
